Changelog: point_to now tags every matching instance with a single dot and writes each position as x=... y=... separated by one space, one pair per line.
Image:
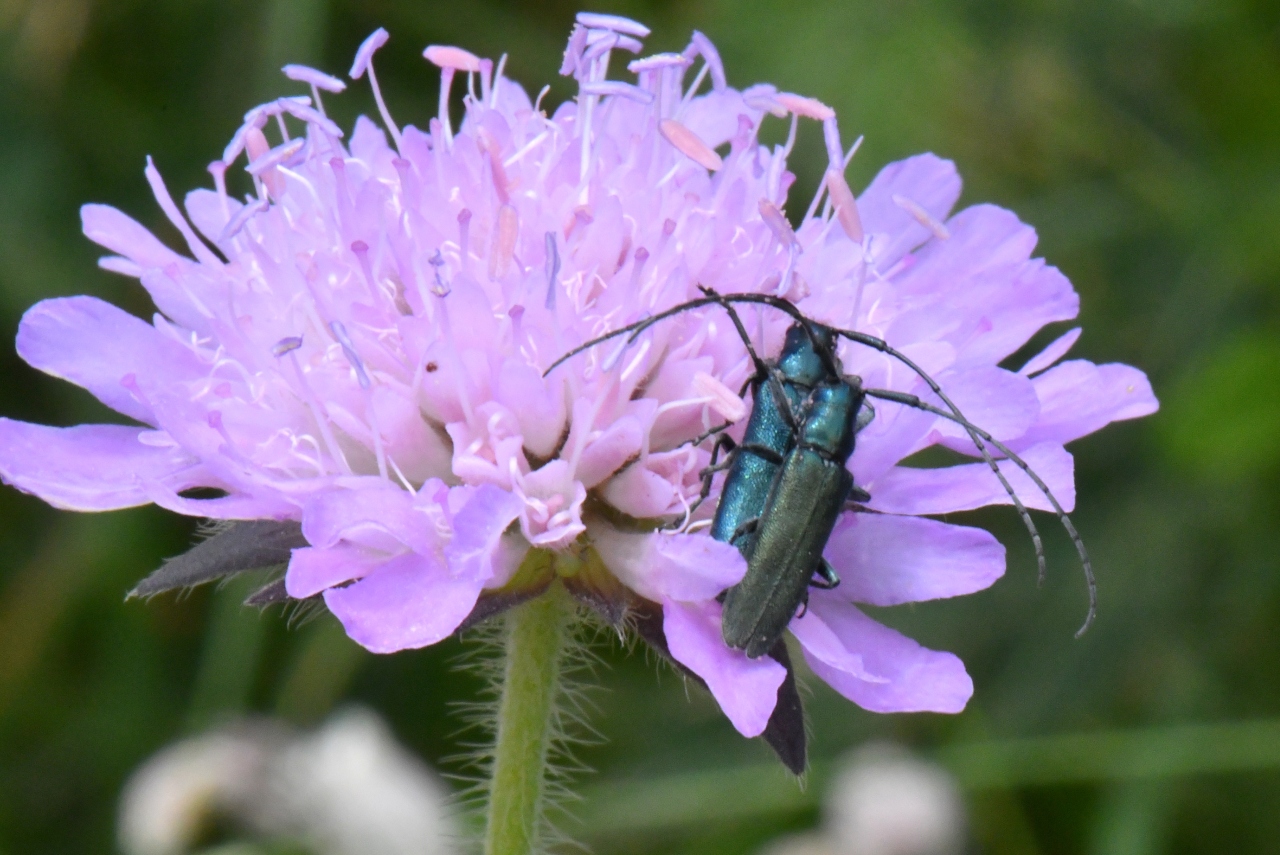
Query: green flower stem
x=535 y=639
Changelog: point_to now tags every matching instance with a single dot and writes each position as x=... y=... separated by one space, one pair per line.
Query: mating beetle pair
x=787 y=481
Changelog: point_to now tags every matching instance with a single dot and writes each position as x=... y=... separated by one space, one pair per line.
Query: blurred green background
x=1142 y=139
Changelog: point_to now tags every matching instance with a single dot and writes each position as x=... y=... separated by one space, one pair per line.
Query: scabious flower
x=359 y=347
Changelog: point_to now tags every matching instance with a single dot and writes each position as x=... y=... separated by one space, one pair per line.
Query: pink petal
x=927 y=180
x=477 y=533
x=604 y=454
x=893 y=434
x=746 y=689
x=409 y=602
x=205 y=208
x=909 y=677
x=125 y=236
x=312 y=570
x=379 y=517
x=1078 y=398
x=264 y=504
x=659 y=566
x=1000 y=402
x=369 y=142
x=539 y=409
x=95 y=345
x=904 y=490
x=981 y=289
x=886 y=560
x=91 y=467
x=820 y=642
x=1055 y=350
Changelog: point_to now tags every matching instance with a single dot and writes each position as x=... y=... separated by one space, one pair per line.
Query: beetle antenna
x=637 y=327
x=955 y=414
x=1063 y=517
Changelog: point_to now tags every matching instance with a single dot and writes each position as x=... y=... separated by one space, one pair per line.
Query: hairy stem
x=535 y=639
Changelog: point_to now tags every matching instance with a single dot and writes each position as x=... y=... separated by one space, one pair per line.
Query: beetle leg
x=866 y=413
x=804 y=605
x=827 y=574
x=748 y=527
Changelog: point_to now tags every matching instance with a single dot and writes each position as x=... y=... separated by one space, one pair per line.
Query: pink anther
x=922 y=216
x=364 y=54
x=314 y=77
x=657 y=62
x=845 y=204
x=447 y=56
x=810 y=108
x=776 y=222
x=690 y=144
x=617 y=23
x=719 y=397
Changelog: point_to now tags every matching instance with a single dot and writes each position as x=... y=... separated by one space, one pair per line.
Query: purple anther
x=516 y=313
x=286 y=345
x=777 y=223
x=700 y=44
x=764 y=97
x=275 y=156
x=364 y=54
x=553 y=269
x=304 y=113
x=314 y=77
x=614 y=358
x=257 y=116
x=657 y=62
x=349 y=351
x=618 y=89
x=464 y=233
x=448 y=56
x=246 y=213
x=617 y=23
x=237 y=144
x=441 y=287
x=598 y=43
x=573 y=50
x=629 y=44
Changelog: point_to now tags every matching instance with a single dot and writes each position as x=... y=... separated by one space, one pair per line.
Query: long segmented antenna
x=976 y=434
x=1063 y=517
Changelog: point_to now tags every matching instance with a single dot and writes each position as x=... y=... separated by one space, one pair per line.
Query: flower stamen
x=690 y=144
x=364 y=62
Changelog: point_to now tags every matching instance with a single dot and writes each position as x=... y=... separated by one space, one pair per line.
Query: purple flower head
x=358 y=347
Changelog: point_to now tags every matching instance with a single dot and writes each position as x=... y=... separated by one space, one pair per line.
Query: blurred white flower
x=886 y=801
x=347 y=789
x=170 y=799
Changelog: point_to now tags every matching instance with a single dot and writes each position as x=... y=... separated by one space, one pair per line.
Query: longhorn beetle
x=806 y=493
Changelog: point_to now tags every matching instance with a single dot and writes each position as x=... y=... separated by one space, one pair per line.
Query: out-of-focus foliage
x=1142 y=138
